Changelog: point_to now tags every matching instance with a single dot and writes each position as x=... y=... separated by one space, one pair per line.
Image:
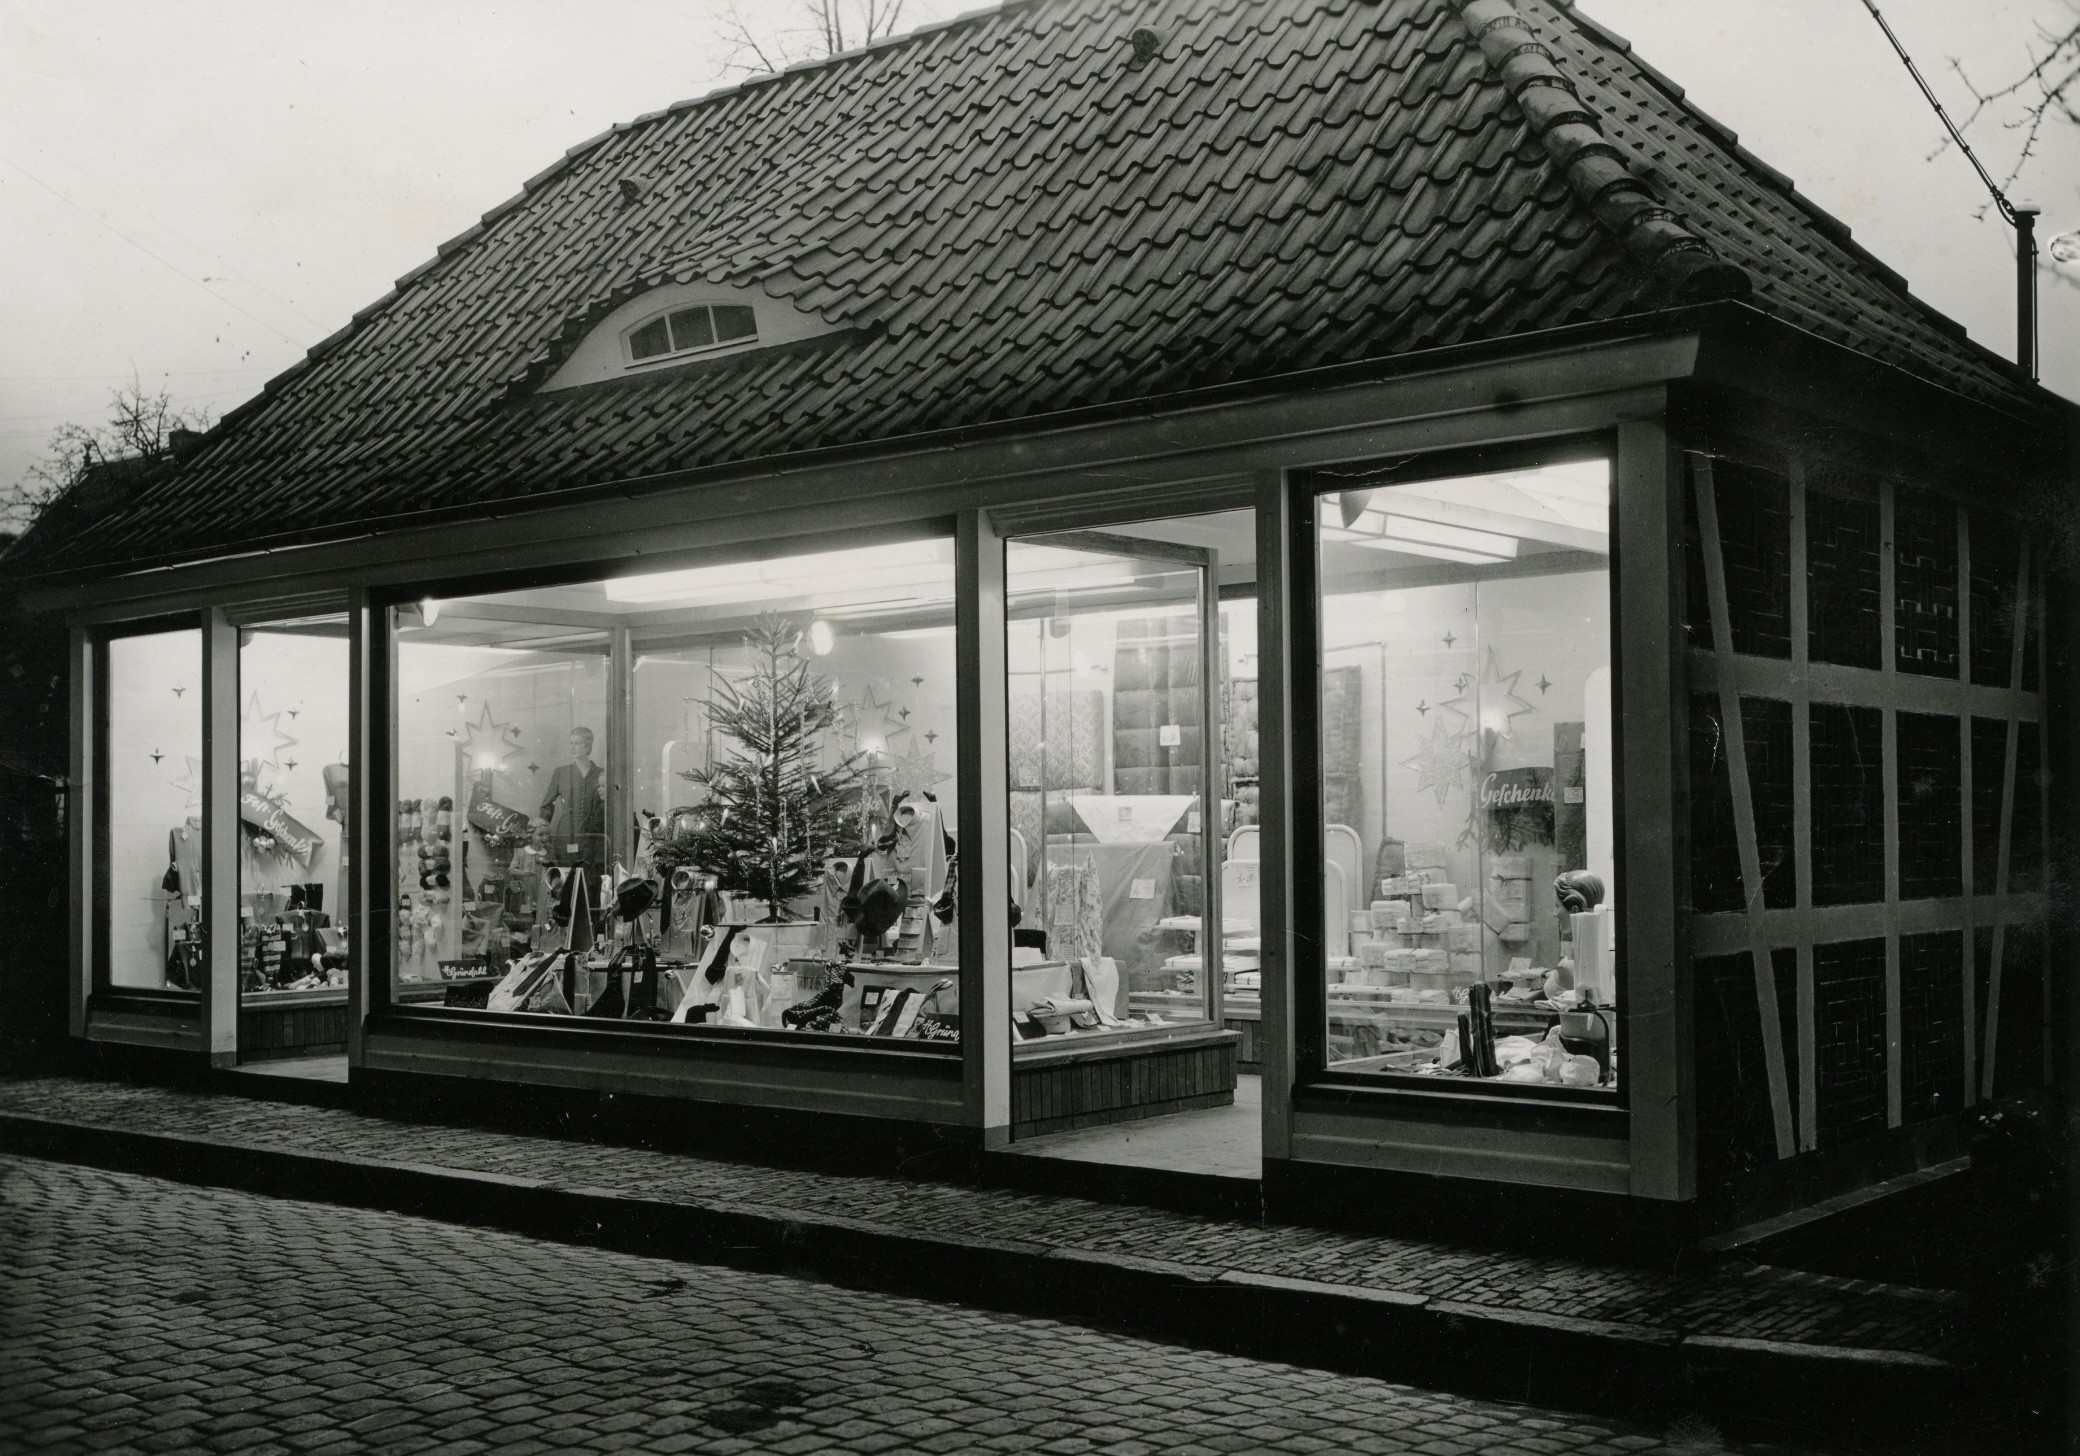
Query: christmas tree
x=773 y=813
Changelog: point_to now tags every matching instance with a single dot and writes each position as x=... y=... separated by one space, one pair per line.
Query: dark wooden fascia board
x=1767 y=378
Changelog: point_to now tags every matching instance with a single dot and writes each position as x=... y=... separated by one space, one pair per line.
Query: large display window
x=292 y=807
x=1466 y=777
x=720 y=796
x=149 y=849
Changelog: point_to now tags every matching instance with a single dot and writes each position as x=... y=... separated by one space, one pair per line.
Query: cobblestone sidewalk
x=149 y=1316
x=1755 y=1303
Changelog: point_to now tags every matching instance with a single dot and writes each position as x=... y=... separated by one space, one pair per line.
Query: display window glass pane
x=151 y=882
x=1113 y=704
x=500 y=731
x=1466 y=762
x=292 y=807
x=721 y=796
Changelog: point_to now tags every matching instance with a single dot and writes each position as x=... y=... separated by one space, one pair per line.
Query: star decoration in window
x=876 y=721
x=1440 y=764
x=916 y=771
x=487 y=744
x=1490 y=702
x=1543 y=683
x=190 y=782
x=261 y=737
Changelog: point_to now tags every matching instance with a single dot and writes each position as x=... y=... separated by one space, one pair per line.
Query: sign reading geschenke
x=1516 y=807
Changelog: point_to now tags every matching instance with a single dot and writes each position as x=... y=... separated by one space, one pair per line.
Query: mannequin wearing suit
x=575 y=808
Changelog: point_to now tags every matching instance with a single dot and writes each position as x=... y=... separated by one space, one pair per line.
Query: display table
x=292 y=1023
x=1070 y=1082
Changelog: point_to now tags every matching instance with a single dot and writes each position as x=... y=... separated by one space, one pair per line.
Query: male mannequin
x=575 y=809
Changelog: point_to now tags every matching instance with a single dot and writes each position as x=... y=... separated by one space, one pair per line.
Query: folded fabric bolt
x=1440 y=895
x=1061 y=1006
x=1462 y=938
x=1429 y=875
x=1516 y=932
x=1510 y=867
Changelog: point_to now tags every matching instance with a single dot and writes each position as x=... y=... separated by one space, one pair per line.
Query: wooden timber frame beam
x=1744 y=811
x=2004 y=863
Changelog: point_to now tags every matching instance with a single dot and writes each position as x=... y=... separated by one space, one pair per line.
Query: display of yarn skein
x=425 y=828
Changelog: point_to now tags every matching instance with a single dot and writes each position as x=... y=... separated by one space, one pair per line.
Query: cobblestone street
x=142 y=1315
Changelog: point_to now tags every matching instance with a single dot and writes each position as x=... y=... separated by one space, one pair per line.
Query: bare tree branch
x=802 y=30
x=2048 y=91
x=139 y=432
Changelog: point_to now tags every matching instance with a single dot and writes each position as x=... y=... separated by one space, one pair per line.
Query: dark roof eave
x=1452 y=356
x=1731 y=315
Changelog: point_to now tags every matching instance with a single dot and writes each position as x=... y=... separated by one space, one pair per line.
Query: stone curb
x=1770 y=1388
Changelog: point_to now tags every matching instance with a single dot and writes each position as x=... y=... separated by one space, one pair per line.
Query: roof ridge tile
x=1671 y=251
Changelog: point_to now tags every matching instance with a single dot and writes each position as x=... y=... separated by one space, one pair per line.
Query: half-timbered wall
x=1868 y=815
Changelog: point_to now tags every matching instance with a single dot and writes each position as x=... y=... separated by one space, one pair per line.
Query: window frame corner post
x=983 y=818
x=82 y=824
x=621 y=740
x=220 y=820
x=1649 y=473
x=368 y=726
x=1292 y=1027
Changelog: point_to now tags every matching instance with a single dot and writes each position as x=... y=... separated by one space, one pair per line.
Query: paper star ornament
x=487 y=744
x=1440 y=764
x=261 y=737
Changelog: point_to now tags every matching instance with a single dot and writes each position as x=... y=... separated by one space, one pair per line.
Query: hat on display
x=633 y=896
x=881 y=905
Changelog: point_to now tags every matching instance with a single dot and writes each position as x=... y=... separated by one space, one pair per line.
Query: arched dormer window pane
x=691 y=329
x=733 y=322
x=649 y=341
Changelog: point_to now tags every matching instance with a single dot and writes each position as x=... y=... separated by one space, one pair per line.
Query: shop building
x=1092 y=555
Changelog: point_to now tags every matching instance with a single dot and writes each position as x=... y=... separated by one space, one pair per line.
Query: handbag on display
x=535 y=984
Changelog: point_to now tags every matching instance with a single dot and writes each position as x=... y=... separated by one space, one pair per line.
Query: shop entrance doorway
x=1130 y=709
x=292 y=848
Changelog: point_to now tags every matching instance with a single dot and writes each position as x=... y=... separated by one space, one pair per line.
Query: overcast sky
x=201 y=191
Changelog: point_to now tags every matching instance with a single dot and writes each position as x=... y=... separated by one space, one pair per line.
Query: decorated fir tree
x=774 y=812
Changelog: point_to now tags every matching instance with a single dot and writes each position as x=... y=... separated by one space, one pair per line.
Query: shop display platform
x=1217 y=1142
x=1748 y=1346
x=300 y=1069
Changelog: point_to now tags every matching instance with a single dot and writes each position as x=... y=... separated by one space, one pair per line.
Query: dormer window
x=691 y=331
x=699 y=324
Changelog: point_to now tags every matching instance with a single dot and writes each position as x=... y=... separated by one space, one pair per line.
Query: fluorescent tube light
x=815 y=573
x=1424 y=548
x=1437 y=533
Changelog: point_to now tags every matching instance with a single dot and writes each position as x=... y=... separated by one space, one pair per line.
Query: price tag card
x=1191 y=822
x=1170 y=735
x=1126 y=813
x=1142 y=890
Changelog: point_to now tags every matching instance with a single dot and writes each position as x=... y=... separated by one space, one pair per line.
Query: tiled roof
x=1011 y=215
